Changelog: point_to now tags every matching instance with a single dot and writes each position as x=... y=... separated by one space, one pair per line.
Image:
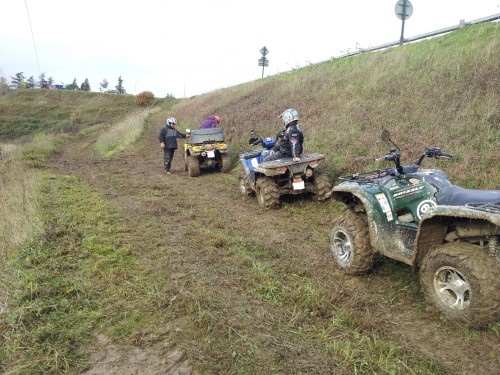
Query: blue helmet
x=268 y=142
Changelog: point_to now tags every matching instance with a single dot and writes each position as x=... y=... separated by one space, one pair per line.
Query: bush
x=144 y=99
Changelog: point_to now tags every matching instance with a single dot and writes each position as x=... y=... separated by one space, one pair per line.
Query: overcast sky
x=190 y=47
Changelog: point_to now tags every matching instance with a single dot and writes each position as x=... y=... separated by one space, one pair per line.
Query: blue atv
x=269 y=180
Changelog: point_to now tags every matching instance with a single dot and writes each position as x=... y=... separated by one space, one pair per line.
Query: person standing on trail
x=210 y=122
x=290 y=140
x=168 y=142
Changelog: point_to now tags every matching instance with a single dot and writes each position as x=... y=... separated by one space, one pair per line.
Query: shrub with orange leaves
x=144 y=99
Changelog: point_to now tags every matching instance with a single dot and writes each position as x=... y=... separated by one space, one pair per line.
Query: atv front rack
x=487 y=207
x=365 y=177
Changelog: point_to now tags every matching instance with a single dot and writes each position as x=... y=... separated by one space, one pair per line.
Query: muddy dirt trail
x=177 y=224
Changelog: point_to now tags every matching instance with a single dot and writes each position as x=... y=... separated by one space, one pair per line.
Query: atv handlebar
x=430 y=152
x=433 y=152
x=393 y=155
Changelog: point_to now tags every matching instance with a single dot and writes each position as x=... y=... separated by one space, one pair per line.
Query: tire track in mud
x=296 y=235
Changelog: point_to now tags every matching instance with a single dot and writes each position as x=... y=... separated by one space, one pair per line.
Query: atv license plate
x=298 y=184
x=211 y=154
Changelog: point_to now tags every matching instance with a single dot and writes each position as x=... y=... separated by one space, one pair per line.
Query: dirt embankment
x=182 y=209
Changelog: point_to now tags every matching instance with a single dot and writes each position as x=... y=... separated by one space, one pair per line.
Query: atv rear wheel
x=322 y=187
x=461 y=281
x=244 y=184
x=225 y=163
x=267 y=192
x=350 y=244
x=193 y=166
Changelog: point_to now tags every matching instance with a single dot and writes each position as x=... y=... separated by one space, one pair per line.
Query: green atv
x=206 y=149
x=418 y=217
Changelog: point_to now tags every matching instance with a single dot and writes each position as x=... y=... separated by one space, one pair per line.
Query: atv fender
x=359 y=202
x=435 y=223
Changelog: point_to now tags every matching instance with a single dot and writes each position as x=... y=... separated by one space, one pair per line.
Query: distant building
x=58 y=87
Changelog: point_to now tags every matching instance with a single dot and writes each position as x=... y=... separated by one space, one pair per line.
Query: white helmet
x=288 y=116
x=171 y=121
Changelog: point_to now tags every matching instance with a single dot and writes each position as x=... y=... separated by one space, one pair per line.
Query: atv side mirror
x=254 y=141
x=386 y=136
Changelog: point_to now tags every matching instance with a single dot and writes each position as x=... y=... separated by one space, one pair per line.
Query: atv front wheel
x=244 y=184
x=322 y=187
x=350 y=244
x=225 y=163
x=193 y=166
x=267 y=192
x=461 y=281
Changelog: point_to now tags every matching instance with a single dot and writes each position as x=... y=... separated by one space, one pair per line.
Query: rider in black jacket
x=168 y=141
x=290 y=143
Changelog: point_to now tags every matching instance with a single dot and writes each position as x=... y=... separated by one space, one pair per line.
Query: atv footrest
x=488 y=207
x=251 y=154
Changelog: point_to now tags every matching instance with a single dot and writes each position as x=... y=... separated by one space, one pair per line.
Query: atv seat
x=457 y=196
x=200 y=136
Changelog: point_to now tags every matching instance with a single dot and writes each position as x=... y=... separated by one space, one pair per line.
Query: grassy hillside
x=25 y=112
x=439 y=92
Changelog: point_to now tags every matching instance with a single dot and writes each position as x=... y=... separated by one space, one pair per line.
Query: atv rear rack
x=285 y=161
x=487 y=207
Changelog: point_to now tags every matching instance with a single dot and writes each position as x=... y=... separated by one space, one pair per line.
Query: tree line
x=20 y=81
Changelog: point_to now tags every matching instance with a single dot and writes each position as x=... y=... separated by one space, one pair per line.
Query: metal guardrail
x=494 y=17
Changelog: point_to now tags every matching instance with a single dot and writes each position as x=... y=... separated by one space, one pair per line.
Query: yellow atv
x=206 y=149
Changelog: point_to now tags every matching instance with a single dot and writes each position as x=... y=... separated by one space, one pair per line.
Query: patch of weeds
x=36 y=153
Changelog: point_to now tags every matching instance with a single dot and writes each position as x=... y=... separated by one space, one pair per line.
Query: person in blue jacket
x=210 y=122
x=168 y=142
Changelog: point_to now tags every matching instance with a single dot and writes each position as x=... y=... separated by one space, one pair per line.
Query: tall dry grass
x=121 y=135
x=19 y=213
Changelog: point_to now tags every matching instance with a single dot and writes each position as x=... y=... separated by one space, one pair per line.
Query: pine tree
x=85 y=85
x=30 y=83
x=104 y=85
x=42 y=82
x=17 y=81
x=119 y=87
x=4 y=87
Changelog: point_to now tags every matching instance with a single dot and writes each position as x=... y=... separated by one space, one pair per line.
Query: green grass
x=79 y=278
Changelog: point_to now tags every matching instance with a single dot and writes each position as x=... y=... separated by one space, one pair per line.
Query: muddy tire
x=225 y=163
x=461 y=282
x=350 y=244
x=322 y=187
x=267 y=192
x=244 y=185
x=193 y=165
